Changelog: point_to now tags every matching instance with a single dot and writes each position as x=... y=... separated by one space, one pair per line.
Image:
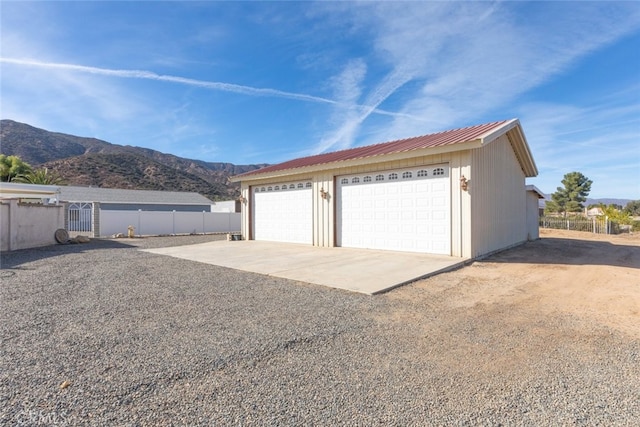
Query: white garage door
x=283 y=212
x=400 y=210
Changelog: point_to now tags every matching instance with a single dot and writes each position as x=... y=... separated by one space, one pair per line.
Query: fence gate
x=80 y=215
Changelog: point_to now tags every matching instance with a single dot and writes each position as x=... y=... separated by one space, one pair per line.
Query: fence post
x=203 y=230
x=95 y=222
x=173 y=222
x=139 y=215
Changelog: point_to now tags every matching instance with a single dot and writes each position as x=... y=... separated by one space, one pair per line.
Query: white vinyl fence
x=148 y=223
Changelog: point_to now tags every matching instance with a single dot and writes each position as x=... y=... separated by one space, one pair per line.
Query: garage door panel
x=283 y=215
x=406 y=203
x=439 y=216
x=409 y=213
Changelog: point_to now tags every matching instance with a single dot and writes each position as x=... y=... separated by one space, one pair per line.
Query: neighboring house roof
x=10 y=190
x=139 y=197
x=595 y=212
x=447 y=141
x=535 y=190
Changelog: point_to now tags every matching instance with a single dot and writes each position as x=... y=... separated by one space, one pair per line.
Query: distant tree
x=12 y=166
x=633 y=208
x=571 y=197
x=40 y=176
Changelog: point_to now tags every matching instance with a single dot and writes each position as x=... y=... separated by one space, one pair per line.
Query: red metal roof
x=439 y=139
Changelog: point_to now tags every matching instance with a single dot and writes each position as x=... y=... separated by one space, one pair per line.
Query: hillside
x=90 y=161
x=607 y=202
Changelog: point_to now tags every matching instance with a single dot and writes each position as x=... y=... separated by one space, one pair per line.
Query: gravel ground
x=104 y=334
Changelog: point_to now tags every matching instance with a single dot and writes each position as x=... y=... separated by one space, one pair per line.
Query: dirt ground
x=588 y=277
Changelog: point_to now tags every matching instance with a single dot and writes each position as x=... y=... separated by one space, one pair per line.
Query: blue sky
x=265 y=82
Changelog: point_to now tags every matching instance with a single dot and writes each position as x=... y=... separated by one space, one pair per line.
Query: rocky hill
x=90 y=161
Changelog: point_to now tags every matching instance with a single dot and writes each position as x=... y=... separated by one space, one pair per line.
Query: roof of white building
x=116 y=195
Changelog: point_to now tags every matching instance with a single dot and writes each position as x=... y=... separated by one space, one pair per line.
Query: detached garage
x=460 y=192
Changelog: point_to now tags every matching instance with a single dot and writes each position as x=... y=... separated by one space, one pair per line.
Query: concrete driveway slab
x=358 y=270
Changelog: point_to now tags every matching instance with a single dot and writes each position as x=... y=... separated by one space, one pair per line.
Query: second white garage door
x=283 y=212
x=400 y=210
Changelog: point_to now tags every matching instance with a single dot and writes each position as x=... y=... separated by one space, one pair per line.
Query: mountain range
x=92 y=162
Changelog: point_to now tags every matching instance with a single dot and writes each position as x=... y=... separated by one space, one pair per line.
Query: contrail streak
x=149 y=75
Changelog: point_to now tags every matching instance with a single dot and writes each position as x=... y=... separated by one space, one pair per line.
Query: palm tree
x=12 y=166
x=40 y=176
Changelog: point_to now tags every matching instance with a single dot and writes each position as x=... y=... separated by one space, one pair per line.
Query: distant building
x=593 y=212
x=104 y=211
x=146 y=200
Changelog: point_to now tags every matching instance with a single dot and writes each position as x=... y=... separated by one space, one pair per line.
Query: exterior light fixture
x=464 y=183
x=324 y=194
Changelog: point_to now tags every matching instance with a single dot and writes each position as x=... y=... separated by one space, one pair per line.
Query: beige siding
x=324 y=209
x=460 y=207
x=498 y=198
x=245 y=196
x=533 y=216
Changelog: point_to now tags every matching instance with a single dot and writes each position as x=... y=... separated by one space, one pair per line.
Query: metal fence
x=592 y=225
x=80 y=215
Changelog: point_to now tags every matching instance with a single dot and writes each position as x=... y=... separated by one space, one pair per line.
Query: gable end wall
x=498 y=198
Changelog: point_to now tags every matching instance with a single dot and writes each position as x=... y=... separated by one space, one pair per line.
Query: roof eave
x=468 y=145
x=535 y=190
x=524 y=153
x=20 y=190
x=514 y=132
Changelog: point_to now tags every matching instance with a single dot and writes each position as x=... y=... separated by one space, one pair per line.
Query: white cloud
x=57 y=98
x=347 y=89
x=471 y=58
x=411 y=39
x=351 y=114
x=599 y=140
